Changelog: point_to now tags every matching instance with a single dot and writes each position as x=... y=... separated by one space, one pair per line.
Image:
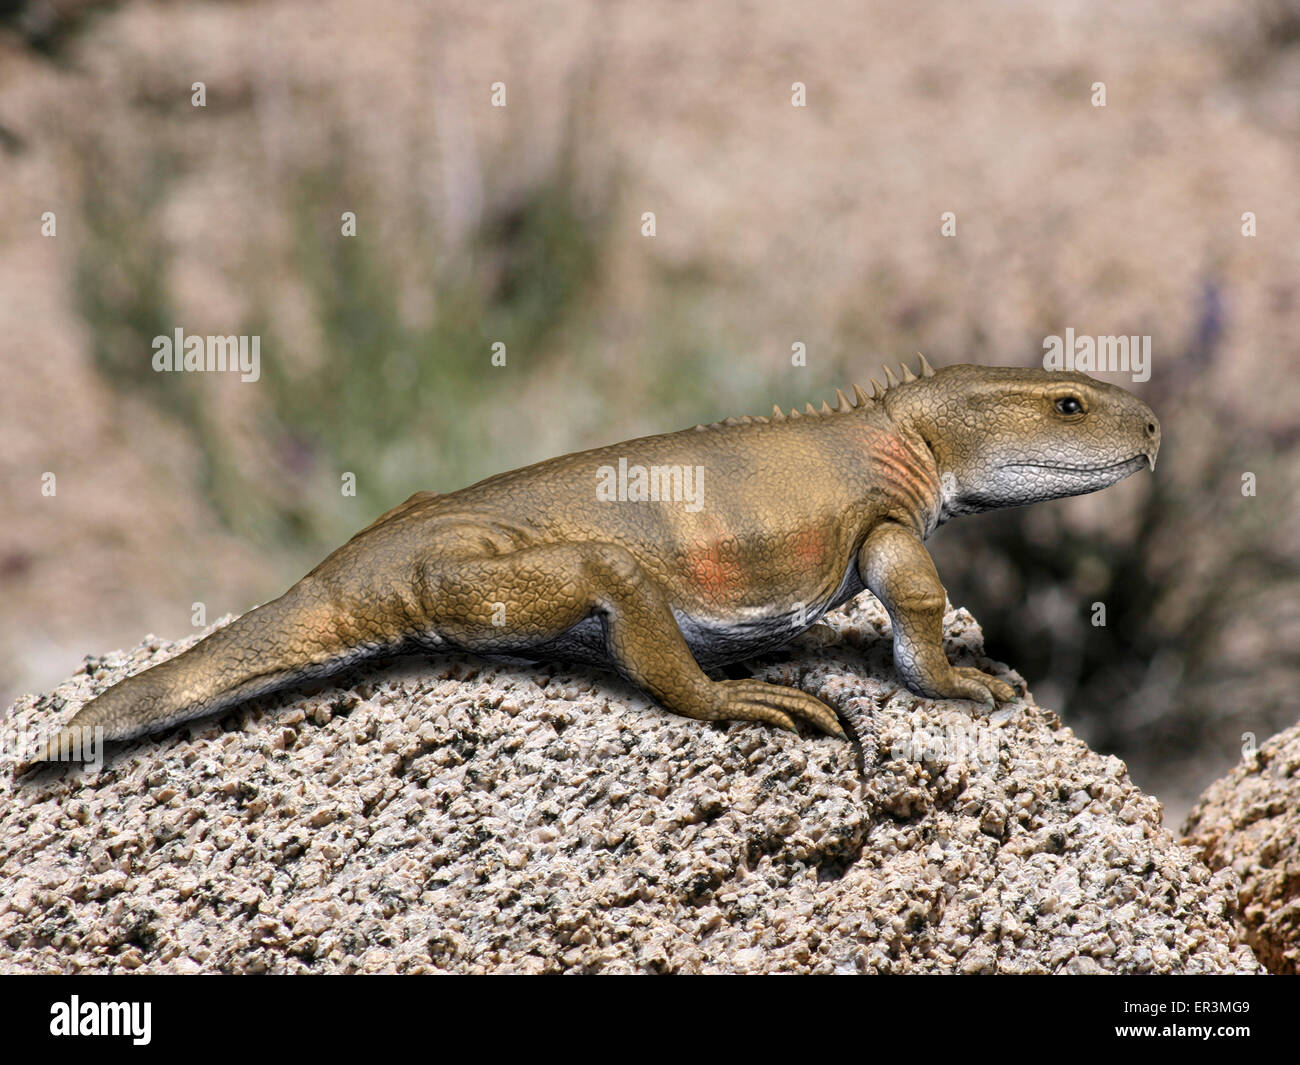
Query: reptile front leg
x=546 y=590
x=895 y=565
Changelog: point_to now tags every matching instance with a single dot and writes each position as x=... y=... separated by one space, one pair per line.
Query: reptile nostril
x=1151 y=428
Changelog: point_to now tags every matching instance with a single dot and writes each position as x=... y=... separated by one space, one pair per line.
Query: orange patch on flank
x=715 y=571
x=810 y=547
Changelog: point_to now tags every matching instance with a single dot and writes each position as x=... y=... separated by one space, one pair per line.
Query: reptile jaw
x=1066 y=468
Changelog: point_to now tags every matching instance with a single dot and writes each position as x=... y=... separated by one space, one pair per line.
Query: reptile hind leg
x=517 y=601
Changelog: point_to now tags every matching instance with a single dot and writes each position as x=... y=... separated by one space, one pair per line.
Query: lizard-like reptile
x=786 y=517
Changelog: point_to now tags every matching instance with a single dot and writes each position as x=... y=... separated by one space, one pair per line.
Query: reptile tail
x=294 y=638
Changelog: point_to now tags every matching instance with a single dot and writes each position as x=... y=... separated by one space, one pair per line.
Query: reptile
x=671 y=555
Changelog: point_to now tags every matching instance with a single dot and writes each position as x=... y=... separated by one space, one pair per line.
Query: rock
x=457 y=815
x=1249 y=822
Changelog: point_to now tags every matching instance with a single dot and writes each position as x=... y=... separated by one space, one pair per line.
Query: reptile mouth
x=1065 y=467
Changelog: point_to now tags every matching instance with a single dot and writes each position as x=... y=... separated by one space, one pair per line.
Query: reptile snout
x=1151 y=436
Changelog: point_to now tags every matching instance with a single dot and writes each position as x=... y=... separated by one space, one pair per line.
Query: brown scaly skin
x=800 y=513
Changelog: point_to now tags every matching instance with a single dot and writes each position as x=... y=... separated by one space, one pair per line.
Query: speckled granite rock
x=457 y=815
x=1249 y=821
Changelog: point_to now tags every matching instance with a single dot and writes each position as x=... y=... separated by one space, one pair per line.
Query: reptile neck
x=894 y=469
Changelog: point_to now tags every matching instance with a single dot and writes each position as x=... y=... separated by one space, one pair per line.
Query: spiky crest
x=844 y=403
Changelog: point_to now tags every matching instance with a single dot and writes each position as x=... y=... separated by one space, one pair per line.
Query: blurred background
x=775 y=225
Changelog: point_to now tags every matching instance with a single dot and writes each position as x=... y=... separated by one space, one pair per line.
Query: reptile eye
x=1069 y=405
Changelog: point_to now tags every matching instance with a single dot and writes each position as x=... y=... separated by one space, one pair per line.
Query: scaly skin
x=799 y=513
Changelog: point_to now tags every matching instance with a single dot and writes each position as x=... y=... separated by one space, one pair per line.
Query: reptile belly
x=713 y=641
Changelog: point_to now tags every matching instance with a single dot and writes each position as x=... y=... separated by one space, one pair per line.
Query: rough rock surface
x=466 y=816
x=1249 y=821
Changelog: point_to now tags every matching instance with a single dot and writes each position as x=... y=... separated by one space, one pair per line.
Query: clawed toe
x=756 y=700
x=983 y=688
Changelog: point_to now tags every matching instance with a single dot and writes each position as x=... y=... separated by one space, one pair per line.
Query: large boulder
x=1249 y=822
x=459 y=815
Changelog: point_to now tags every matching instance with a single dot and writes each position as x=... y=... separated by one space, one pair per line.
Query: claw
x=994 y=691
x=757 y=700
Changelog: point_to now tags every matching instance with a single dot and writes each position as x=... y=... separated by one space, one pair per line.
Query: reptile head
x=1004 y=437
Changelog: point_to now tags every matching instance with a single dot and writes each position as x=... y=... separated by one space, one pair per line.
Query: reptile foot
x=757 y=700
x=966 y=682
x=1000 y=690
